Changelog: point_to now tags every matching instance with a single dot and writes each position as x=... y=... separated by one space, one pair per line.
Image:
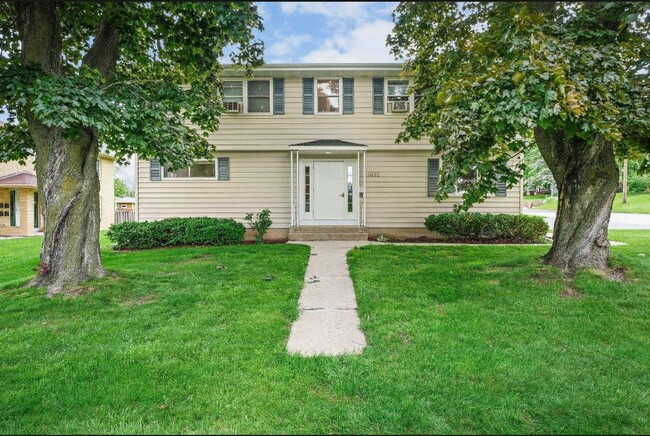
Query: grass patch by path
x=461 y=339
x=636 y=203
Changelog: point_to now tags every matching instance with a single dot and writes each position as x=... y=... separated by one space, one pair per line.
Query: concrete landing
x=328 y=324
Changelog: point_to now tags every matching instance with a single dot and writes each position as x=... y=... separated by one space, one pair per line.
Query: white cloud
x=364 y=43
x=287 y=44
x=356 y=11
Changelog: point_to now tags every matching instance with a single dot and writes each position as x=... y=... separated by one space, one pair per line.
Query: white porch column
x=297 y=188
x=364 y=188
x=358 y=190
x=293 y=221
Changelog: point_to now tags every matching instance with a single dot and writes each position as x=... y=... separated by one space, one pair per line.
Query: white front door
x=329 y=190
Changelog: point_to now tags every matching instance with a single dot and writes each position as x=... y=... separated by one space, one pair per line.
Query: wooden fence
x=124 y=216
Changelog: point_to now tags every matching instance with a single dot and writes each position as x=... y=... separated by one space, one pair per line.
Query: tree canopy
x=133 y=73
x=489 y=74
x=120 y=189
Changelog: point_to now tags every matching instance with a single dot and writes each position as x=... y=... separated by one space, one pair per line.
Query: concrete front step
x=328 y=233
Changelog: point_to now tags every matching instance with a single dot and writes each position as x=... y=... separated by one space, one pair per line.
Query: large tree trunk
x=69 y=186
x=587 y=177
x=66 y=168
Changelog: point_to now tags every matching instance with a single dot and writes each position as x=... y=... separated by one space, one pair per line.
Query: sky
x=318 y=32
x=326 y=32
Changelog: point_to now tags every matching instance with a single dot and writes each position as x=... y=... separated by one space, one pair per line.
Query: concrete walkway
x=638 y=221
x=328 y=324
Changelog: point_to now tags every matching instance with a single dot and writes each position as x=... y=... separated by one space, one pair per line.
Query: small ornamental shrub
x=176 y=231
x=261 y=223
x=494 y=227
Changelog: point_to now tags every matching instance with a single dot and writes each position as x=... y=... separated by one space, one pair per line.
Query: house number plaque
x=373 y=173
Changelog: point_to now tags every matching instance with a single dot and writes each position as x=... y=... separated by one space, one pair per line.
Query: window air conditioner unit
x=398 y=106
x=233 y=106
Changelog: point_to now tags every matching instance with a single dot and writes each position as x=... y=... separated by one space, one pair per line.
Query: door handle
x=342 y=195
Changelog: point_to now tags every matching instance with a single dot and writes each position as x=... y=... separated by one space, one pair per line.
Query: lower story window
x=350 y=187
x=307 y=189
x=198 y=169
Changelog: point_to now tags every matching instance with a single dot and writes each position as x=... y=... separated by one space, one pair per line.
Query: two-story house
x=315 y=144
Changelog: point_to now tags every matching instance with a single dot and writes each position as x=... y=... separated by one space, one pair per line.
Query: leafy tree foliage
x=165 y=72
x=139 y=78
x=496 y=79
x=537 y=175
x=120 y=189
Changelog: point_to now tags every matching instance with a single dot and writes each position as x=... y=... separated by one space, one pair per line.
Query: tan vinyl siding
x=277 y=132
x=257 y=181
x=398 y=197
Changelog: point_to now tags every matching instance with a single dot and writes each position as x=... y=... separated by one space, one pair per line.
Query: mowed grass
x=479 y=340
x=636 y=203
x=460 y=340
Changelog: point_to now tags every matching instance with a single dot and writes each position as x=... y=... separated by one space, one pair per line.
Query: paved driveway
x=617 y=221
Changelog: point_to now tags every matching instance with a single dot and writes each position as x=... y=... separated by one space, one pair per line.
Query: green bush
x=176 y=231
x=260 y=222
x=638 y=184
x=494 y=227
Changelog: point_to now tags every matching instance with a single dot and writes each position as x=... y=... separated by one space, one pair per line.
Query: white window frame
x=411 y=96
x=245 y=95
x=316 y=79
x=216 y=175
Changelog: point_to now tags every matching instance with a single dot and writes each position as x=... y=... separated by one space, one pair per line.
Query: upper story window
x=328 y=95
x=398 y=99
x=397 y=90
x=259 y=96
x=247 y=96
x=233 y=95
x=204 y=169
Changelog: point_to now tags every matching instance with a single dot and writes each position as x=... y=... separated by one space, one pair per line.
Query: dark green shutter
x=154 y=170
x=12 y=208
x=502 y=188
x=378 y=95
x=278 y=96
x=348 y=96
x=223 y=168
x=432 y=176
x=308 y=96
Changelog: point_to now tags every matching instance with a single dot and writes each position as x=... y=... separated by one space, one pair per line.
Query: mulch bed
x=478 y=241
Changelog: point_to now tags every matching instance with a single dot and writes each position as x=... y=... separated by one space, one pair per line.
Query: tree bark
x=587 y=178
x=66 y=167
x=69 y=185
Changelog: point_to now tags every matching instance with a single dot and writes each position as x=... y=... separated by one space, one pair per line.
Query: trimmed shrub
x=176 y=231
x=495 y=227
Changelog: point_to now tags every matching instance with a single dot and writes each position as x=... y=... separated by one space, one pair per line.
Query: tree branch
x=103 y=53
x=40 y=35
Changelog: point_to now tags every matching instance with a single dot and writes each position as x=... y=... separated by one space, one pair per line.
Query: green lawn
x=636 y=203
x=460 y=340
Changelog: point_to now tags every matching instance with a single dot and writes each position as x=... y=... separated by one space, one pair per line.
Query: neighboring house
x=125 y=203
x=315 y=144
x=21 y=211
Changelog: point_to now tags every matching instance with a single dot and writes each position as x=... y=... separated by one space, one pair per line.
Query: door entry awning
x=327 y=145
